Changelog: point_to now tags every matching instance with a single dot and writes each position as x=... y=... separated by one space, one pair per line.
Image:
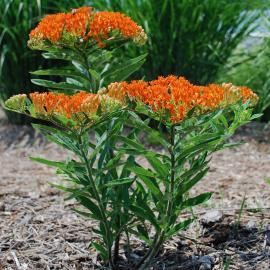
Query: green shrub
x=124 y=197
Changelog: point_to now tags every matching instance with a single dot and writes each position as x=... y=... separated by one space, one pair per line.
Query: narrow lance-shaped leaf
x=179 y=227
x=196 y=200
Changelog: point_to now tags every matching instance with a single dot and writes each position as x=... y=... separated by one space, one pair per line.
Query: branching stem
x=99 y=201
x=160 y=236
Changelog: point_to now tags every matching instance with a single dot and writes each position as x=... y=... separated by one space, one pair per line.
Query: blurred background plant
x=190 y=38
x=249 y=65
x=193 y=38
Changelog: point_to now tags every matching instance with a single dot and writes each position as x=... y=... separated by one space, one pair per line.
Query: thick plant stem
x=145 y=263
x=100 y=205
x=94 y=84
x=172 y=172
x=117 y=243
x=141 y=262
x=117 y=240
x=116 y=249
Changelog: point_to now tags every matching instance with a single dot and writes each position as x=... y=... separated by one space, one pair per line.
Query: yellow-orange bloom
x=77 y=106
x=84 y=24
x=176 y=96
x=105 y=22
x=54 y=103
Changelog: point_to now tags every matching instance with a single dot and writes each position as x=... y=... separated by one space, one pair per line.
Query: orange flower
x=50 y=28
x=78 y=106
x=77 y=22
x=177 y=96
x=105 y=22
x=49 y=103
x=247 y=94
x=83 y=23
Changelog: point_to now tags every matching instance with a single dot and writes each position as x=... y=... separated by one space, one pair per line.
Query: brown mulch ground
x=39 y=231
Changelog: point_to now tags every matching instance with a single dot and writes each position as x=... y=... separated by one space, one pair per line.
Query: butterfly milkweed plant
x=98 y=116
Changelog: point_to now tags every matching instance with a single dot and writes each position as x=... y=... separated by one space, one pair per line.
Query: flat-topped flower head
x=78 y=108
x=84 y=25
x=171 y=98
x=55 y=103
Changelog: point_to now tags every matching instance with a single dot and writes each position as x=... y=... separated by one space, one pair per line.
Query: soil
x=38 y=229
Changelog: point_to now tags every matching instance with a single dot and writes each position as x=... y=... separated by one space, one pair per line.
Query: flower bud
x=17 y=102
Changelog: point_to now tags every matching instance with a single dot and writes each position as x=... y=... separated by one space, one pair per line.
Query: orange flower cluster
x=49 y=28
x=77 y=107
x=48 y=103
x=84 y=24
x=177 y=96
x=170 y=98
x=104 y=22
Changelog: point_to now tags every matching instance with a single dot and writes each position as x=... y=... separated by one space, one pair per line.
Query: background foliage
x=189 y=38
x=249 y=66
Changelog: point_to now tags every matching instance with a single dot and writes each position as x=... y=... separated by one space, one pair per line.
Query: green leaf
x=161 y=169
x=179 y=227
x=114 y=162
x=140 y=235
x=62 y=85
x=141 y=171
x=188 y=184
x=101 y=142
x=60 y=137
x=142 y=230
x=136 y=121
x=121 y=73
x=94 y=74
x=66 y=55
x=197 y=200
x=132 y=143
x=59 y=165
x=152 y=185
x=101 y=250
x=90 y=205
x=191 y=151
x=119 y=182
x=59 y=72
x=81 y=67
x=83 y=213
x=256 y=115
x=145 y=214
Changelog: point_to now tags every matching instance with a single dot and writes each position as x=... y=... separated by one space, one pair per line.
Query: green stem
x=159 y=240
x=116 y=248
x=118 y=218
x=152 y=252
x=172 y=180
x=128 y=245
x=100 y=205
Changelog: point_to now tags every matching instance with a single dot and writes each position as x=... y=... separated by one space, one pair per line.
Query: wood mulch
x=38 y=229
